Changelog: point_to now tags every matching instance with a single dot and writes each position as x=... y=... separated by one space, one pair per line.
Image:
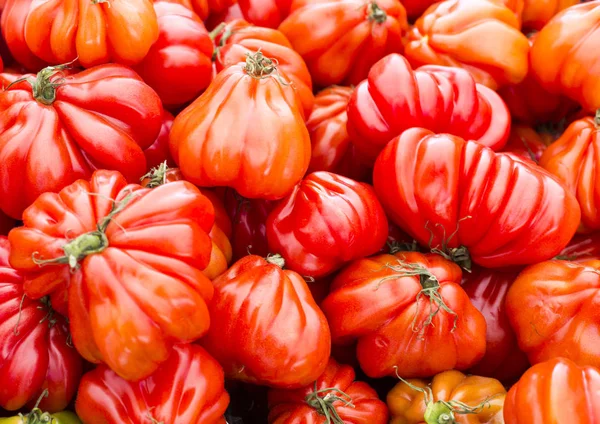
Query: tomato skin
x=555 y=391
x=230 y=14
x=526 y=143
x=343 y=221
x=341 y=39
x=179 y=64
x=199 y=7
x=289 y=406
x=265 y=13
x=35 y=354
x=286 y=345
x=121 y=298
x=47 y=147
x=432 y=206
x=187 y=388
x=159 y=151
x=376 y=305
x=407 y=406
x=534 y=299
x=536 y=13
x=438 y=98
x=63 y=417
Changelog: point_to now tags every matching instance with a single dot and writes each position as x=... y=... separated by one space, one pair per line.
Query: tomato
x=487 y=290
x=537 y=13
x=334 y=394
x=438 y=188
x=407 y=311
x=179 y=64
x=450 y=397
x=551 y=307
x=132 y=259
x=286 y=344
x=582 y=247
x=556 y=391
x=159 y=152
x=342 y=221
x=438 y=98
x=265 y=13
x=232 y=13
x=480 y=36
x=341 y=39
x=55 y=129
x=200 y=7
x=264 y=158
x=572 y=38
x=187 y=388
x=526 y=143
x=574 y=159
x=36 y=354
x=63 y=417
x=6 y=224
x=91 y=32
x=236 y=39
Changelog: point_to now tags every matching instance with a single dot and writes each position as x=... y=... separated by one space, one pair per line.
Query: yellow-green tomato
x=38 y=417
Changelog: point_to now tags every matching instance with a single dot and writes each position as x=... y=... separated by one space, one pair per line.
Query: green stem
x=324 y=405
x=376 y=13
x=157 y=175
x=276 y=260
x=439 y=413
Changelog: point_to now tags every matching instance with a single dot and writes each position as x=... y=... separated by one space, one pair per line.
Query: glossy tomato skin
x=376 y=302
x=265 y=13
x=35 y=351
x=158 y=152
x=525 y=143
x=187 y=388
x=555 y=391
x=266 y=328
x=178 y=66
x=551 y=307
x=45 y=147
x=487 y=290
x=341 y=39
x=93 y=33
x=480 y=36
x=572 y=37
x=407 y=406
x=122 y=293
x=574 y=159
x=264 y=158
x=200 y=7
x=528 y=217
x=290 y=406
x=326 y=221
x=395 y=98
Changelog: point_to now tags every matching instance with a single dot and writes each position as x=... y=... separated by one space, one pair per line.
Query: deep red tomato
x=395 y=98
x=264 y=158
x=132 y=259
x=487 y=290
x=582 y=247
x=552 y=308
x=556 y=391
x=326 y=221
x=91 y=32
x=6 y=223
x=187 y=388
x=286 y=344
x=179 y=64
x=232 y=13
x=471 y=203
x=341 y=39
x=200 y=7
x=236 y=39
x=265 y=13
x=334 y=394
x=537 y=13
x=526 y=143
x=159 y=152
x=35 y=353
x=55 y=129
x=407 y=311
x=575 y=159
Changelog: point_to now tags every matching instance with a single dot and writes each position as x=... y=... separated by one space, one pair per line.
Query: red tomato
x=265 y=13
x=526 y=143
x=582 y=247
x=263 y=158
x=235 y=40
x=537 y=13
x=6 y=224
x=481 y=36
x=159 y=152
x=200 y=7
x=230 y=14
x=556 y=391
x=35 y=353
x=552 y=308
x=487 y=290
x=574 y=158
x=91 y=32
x=55 y=129
x=458 y=196
x=187 y=388
x=438 y=98
x=341 y=39
x=334 y=393
x=218 y=6
x=179 y=64
x=572 y=38
x=326 y=221
x=132 y=259
x=286 y=344
x=407 y=311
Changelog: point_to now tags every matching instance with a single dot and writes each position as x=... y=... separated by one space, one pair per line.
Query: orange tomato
x=537 y=13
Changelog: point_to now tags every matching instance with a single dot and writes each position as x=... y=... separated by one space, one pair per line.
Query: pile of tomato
x=299 y=212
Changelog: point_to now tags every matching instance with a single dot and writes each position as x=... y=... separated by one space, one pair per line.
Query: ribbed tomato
x=265 y=13
x=200 y=7
x=158 y=152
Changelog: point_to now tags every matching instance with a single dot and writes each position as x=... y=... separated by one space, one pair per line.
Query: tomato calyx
x=459 y=255
x=376 y=13
x=395 y=247
x=260 y=67
x=101 y=1
x=597 y=118
x=44 y=85
x=276 y=260
x=157 y=176
x=37 y=416
x=324 y=404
